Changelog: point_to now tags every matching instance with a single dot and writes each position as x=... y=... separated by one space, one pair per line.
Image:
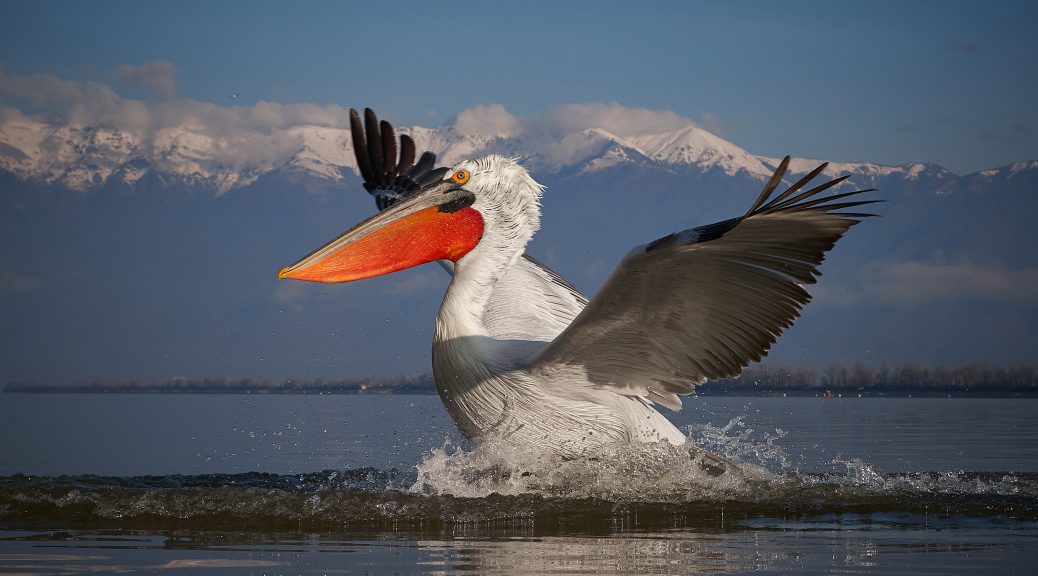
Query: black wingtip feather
x=360 y=149
x=374 y=145
x=816 y=201
x=773 y=206
x=773 y=183
x=388 y=151
x=800 y=183
x=407 y=151
x=385 y=177
x=425 y=163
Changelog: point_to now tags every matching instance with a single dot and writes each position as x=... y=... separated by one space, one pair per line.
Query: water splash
x=496 y=482
x=664 y=473
x=738 y=442
x=657 y=472
x=626 y=472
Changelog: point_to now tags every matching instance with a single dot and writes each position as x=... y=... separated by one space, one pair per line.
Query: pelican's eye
x=461 y=176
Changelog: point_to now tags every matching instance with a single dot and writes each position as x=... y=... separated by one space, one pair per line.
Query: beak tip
x=283 y=273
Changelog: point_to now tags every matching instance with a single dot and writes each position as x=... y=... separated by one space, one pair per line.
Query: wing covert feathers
x=703 y=303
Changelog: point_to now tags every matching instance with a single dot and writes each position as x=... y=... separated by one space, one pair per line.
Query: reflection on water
x=352 y=522
x=849 y=545
x=851 y=486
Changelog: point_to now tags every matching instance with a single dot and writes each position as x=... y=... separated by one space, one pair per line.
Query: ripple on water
x=643 y=485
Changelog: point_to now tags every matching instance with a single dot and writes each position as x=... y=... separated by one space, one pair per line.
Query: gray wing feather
x=703 y=303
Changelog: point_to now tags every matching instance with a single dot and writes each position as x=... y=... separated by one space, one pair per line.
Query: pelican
x=521 y=355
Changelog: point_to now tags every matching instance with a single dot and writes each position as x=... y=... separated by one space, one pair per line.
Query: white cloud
x=711 y=123
x=96 y=104
x=492 y=121
x=232 y=145
x=159 y=77
x=831 y=294
x=912 y=283
x=67 y=100
x=211 y=141
x=612 y=117
x=564 y=135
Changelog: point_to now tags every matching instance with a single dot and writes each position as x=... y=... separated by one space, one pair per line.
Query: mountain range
x=152 y=253
x=84 y=158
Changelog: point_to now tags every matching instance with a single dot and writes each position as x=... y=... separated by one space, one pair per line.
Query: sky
x=952 y=83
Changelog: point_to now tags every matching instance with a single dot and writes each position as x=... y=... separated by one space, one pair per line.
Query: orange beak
x=436 y=225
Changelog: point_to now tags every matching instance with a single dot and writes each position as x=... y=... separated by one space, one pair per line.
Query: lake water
x=246 y=484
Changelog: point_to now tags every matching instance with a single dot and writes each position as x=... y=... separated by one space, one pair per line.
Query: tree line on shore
x=836 y=379
x=900 y=379
x=399 y=384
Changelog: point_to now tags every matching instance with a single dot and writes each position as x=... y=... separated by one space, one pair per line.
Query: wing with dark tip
x=386 y=177
x=705 y=302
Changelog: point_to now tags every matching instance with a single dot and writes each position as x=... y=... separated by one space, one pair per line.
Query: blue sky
x=950 y=83
x=889 y=82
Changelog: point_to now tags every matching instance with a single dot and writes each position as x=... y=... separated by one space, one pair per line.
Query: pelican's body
x=488 y=334
x=519 y=354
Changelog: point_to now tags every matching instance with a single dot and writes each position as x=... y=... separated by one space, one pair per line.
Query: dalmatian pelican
x=520 y=354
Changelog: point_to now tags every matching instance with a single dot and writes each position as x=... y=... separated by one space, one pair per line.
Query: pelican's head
x=488 y=208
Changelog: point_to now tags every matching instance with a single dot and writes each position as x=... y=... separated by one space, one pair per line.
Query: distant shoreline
x=704 y=391
x=905 y=380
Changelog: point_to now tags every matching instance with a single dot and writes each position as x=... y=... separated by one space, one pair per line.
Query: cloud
x=96 y=104
x=232 y=145
x=912 y=283
x=918 y=282
x=832 y=294
x=493 y=121
x=64 y=100
x=159 y=77
x=211 y=141
x=612 y=117
x=566 y=134
x=711 y=123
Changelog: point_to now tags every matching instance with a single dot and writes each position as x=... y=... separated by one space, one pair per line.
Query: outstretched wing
x=387 y=177
x=703 y=303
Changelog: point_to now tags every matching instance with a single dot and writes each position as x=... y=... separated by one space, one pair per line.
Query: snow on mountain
x=79 y=157
x=324 y=151
x=1018 y=176
x=698 y=147
x=868 y=173
x=1010 y=173
x=1011 y=170
x=449 y=145
x=614 y=155
x=85 y=157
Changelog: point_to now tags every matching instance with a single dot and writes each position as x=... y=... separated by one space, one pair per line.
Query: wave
x=646 y=486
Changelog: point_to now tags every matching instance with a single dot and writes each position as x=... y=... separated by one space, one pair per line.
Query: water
x=235 y=484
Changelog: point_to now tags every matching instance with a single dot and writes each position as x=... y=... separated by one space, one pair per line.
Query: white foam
x=662 y=472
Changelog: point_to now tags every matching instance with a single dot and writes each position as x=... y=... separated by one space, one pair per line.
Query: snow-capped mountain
x=158 y=281
x=86 y=157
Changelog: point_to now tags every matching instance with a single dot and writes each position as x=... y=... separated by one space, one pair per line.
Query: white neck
x=467 y=359
x=461 y=314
